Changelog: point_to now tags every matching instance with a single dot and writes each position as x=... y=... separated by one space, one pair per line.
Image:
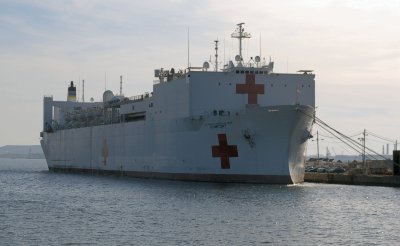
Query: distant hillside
x=21 y=151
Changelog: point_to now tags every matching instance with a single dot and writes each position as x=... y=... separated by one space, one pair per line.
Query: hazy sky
x=353 y=47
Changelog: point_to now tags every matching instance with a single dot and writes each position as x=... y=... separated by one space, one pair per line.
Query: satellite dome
x=206 y=65
x=107 y=96
x=257 y=59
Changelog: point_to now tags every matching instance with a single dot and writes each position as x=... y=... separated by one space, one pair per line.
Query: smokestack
x=71 y=93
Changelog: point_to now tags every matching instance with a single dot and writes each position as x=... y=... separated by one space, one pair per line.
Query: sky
x=353 y=46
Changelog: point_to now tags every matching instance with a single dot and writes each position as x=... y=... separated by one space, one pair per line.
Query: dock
x=377 y=174
x=351 y=179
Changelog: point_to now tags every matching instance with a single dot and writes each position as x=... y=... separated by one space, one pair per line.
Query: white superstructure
x=243 y=123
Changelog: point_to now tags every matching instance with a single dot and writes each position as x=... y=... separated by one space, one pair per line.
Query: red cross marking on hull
x=224 y=151
x=250 y=88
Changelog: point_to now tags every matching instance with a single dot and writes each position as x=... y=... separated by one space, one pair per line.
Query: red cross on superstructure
x=224 y=151
x=250 y=88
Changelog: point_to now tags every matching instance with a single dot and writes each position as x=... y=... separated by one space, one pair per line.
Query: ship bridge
x=254 y=65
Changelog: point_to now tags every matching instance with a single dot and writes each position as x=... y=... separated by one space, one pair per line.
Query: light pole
x=363 y=140
x=318 y=139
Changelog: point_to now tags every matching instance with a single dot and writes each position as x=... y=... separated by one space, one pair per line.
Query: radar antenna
x=240 y=34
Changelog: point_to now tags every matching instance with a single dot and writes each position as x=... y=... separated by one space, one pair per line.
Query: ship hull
x=256 y=144
x=218 y=178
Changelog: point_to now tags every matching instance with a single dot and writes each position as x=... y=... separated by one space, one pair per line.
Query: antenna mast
x=188 y=54
x=240 y=34
x=224 y=51
x=120 y=85
x=216 y=55
x=83 y=90
x=77 y=88
x=105 y=81
x=260 y=46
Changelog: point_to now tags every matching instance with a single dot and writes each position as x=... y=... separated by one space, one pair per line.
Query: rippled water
x=38 y=207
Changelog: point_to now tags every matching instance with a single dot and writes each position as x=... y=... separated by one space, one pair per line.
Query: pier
x=352 y=177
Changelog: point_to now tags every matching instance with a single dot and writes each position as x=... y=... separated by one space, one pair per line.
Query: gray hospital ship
x=239 y=123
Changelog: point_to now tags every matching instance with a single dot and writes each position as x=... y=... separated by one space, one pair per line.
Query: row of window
x=272 y=85
x=251 y=72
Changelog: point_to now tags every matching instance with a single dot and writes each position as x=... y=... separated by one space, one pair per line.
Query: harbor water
x=38 y=207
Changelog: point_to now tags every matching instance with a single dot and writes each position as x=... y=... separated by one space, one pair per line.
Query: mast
x=240 y=34
x=120 y=85
x=188 y=54
x=364 y=159
x=317 y=146
x=83 y=90
x=105 y=81
x=260 y=47
x=216 y=55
